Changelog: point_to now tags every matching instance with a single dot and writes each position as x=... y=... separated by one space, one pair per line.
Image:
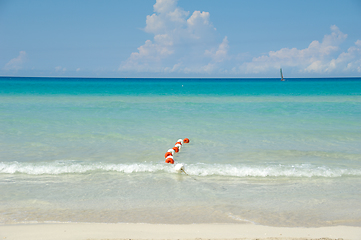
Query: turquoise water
x=261 y=151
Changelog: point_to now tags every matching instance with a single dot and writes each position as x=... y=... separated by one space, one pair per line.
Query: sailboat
x=282 y=79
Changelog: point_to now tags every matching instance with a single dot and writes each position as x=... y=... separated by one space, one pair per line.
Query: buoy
x=171 y=151
x=169 y=160
x=179 y=167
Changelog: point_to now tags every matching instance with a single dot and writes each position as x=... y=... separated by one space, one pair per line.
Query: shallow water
x=261 y=151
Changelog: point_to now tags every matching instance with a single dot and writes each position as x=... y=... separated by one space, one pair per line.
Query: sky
x=184 y=38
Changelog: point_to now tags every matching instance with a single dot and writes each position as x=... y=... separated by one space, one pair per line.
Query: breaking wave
x=73 y=167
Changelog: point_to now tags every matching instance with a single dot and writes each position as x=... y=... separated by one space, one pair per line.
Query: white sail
x=282 y=79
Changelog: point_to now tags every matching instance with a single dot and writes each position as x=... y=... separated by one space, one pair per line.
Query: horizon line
x=181 y=77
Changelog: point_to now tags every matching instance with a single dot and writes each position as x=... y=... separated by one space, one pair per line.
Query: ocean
x=261 y=151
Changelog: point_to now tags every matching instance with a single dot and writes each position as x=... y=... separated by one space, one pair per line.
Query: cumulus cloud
x=318 y=57
x=187 y=42
x=182 y=42
x=349 y=61
x=221 y=53
x=16 y=63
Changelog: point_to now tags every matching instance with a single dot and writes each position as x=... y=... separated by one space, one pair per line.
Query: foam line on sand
x=93 y=231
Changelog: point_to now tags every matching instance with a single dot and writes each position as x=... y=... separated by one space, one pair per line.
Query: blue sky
x=185 y=38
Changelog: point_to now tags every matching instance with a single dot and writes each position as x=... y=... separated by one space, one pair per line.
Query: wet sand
x=94 y=231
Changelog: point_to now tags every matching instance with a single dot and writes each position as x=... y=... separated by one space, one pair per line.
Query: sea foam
x=227 y=170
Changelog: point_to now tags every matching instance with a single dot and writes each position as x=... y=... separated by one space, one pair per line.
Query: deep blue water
x=182 y=87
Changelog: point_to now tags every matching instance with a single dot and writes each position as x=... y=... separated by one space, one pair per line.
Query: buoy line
x=179 y=167
x=169 y=155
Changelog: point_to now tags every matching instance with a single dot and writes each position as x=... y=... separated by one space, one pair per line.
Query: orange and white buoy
x=178 y=145
x=175 y=149
x=179 y=168
x=171 y=151
x=169 y=160
x=169 y=155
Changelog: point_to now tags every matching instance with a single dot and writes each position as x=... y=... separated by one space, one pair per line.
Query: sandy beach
x=80 y=231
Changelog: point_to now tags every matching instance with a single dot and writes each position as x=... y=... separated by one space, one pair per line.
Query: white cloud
x=221 y=53
x=16 y=63
x=318 y=57
x=185 y=42
x=181 y=43
x=349 y=61
x=60 y=68
x=165 y=6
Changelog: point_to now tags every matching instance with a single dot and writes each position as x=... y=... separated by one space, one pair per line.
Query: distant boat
x=282 y=79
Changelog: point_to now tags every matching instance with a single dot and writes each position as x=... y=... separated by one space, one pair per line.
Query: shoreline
x=94 y=231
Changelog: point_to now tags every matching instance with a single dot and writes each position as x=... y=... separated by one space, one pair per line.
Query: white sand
x=80 y=231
